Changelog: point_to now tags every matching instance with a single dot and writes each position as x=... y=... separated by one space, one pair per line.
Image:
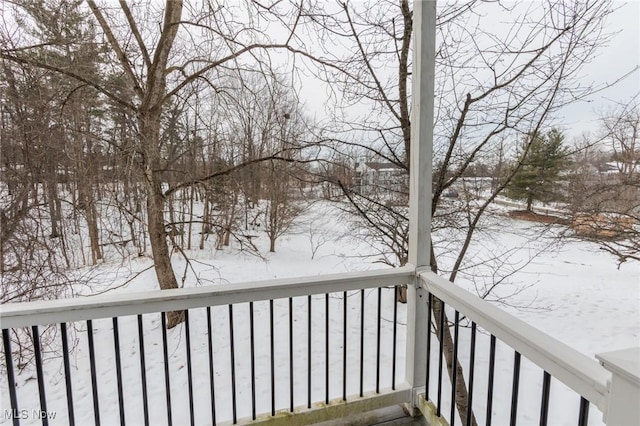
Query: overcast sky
x=621 y=56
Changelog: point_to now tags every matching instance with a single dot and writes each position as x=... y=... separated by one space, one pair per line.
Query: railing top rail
x=25 y=314
x=576 y=370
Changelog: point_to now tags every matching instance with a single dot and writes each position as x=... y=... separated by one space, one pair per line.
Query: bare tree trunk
x=86 y=172
x=272 y=244
x=402 y=294
x=173 y=230
x=190 y=226
x=462 y=394
x=86 y=196
x=159 y=246
x=230 y=219
x=53 y=203
x=92 y=222
x=272 y=221
x=206 y=218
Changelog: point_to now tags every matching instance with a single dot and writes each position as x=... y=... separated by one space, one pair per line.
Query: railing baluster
x=233 y=366
x=94 y=377
x=583 y=418
x=544 y=405
x=428 y=369
x=211 y=366
x=379 y=326
x=41 y=389
x=361 y=343
x=492 y=365
x=165 y=356
x=11 y=381
x=309 y=353
x=344 y=347
x=143 y=372
x=253 y=362
x=395 y=338
x=472 y=357
x=187 y=340
x=118 y=358
x=514 y=389
x=456 y=330
x=273 y=361
x=440 y=356
x=326 y=348
x=67 y=372
x=291 y=354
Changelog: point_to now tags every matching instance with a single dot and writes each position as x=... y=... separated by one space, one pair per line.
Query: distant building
x=381 y=178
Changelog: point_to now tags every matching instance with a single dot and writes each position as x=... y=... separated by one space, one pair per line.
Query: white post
x=424 y=24
x=623 y=402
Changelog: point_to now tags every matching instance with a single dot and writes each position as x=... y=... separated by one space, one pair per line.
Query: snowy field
x=570 y=290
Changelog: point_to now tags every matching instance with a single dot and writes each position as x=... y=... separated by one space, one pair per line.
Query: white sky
x=621 y=56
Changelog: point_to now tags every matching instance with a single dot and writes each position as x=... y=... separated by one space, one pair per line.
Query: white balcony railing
x=590 y=382
x=314 y=350
x=261 y=351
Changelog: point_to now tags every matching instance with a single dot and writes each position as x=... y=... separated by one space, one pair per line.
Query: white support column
x=424 y=23
x=623 y=403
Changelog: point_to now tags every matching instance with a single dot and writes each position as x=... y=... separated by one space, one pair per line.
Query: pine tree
x=539 y=169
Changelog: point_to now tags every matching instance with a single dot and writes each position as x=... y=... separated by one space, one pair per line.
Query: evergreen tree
x=539 y=169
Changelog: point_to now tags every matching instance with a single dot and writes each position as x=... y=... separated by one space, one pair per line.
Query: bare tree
x=492 y=85
x=606 y=204
x=152 y=74
x=42 y=141
x=621 y=130
x=282 y=207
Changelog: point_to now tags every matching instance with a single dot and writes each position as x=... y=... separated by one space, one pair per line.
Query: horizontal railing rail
x=13 y=315
x=579 y=372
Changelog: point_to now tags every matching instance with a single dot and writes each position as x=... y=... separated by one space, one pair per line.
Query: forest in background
x=118 y=119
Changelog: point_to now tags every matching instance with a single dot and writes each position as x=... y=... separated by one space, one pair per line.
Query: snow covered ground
x=572 y=291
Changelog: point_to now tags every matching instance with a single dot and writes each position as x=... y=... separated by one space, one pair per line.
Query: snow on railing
x=316 y=347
